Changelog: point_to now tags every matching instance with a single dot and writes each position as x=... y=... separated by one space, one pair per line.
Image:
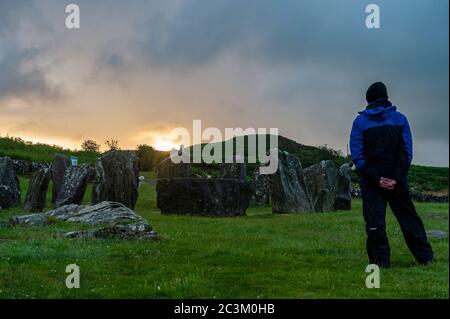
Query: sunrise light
x=163 y=144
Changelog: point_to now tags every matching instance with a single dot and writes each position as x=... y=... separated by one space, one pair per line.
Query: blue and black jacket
x=381 y=144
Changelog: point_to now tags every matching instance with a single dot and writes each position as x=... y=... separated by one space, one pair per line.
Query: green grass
x=149 y=175
x=261 y=255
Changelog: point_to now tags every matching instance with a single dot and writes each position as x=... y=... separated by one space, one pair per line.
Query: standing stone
x=321 y=180
x=37 y=190
x=215 y=197
x=288 y=189
x=74 y=185
x=169 y=169
x=234 y=170
x=343 y=199
x=116 y=178
x=59 y=167
x=9 y=184
x=260 y=189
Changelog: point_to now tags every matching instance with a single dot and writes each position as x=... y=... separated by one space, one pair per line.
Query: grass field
x=261 y=255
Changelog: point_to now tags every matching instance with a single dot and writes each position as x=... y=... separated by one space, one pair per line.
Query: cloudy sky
x=136 y=69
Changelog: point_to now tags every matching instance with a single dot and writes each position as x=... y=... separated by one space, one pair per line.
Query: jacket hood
x=379 y=113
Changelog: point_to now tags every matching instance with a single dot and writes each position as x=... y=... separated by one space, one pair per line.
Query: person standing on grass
x=381 y=149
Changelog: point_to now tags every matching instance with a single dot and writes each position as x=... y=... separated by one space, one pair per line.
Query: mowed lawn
x=261 y=255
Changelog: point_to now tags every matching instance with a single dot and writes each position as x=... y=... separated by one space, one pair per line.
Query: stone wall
x=24 y=167
x=416 y=196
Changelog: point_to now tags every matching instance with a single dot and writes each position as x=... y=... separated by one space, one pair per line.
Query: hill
x=307 y=154
x=17 y=148
x=422 y=178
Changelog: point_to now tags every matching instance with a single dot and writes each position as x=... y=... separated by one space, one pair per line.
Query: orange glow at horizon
x=162 y=144
x=64 y=143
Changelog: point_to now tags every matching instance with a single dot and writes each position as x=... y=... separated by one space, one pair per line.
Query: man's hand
x=387 y=183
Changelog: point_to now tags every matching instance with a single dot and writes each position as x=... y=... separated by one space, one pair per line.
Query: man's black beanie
x=376 y=91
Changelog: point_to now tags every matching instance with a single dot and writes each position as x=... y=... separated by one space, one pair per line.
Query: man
x=381 y=148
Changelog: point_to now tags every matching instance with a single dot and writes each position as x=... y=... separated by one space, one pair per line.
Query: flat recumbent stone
x=203 y=196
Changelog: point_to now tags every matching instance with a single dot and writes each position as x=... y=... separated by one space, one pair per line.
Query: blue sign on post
x=74 y=160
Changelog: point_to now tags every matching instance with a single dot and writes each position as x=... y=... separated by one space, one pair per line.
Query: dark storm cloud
x=409 y=52
x=293 y=31
x=199 y=31
x=312 y=59
x=9 y=13
x=412 y=44
x=18 y=76
x=19 y=83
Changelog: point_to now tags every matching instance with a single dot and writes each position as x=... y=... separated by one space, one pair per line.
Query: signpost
x=74 y=160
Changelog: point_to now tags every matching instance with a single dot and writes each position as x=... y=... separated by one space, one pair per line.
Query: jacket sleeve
x=405 y=153
x=407 y=138
x=356 y=145
x=357 y=153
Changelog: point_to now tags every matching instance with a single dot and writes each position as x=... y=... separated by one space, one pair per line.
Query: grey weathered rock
x=260 y=189
x=59 y=167
x=29 y=220
x=437 y=234
x=116 y=178
x=288 y=190
x=438 y=216
x=98 y=214
x=120 y=221
x=168 y=169
x=343 y=199
x=203 y=196
x=321 y=181
x=138 y=231
x=74 y=185
x=37 y=190
x=235 y=169
x=9 y=184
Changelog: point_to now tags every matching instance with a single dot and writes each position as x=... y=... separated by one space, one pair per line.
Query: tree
x=112 y=144
x=90 y=146
x=147 y=157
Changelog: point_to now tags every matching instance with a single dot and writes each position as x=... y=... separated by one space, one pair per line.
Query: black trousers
x=374 y=208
